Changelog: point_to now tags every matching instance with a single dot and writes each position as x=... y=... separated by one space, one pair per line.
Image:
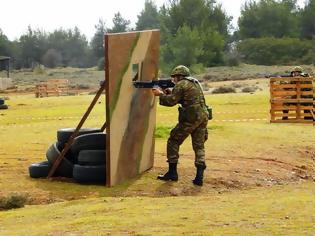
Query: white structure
x=5 y=83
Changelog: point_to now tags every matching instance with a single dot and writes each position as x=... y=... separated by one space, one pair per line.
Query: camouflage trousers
x=199 y=134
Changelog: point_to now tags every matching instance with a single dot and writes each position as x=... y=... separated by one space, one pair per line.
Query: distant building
x=5 y=65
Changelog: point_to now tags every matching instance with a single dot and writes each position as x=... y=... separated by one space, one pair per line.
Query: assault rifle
x=162 y=83
x=288 y=75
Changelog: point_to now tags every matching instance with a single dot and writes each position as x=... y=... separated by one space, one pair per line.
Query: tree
x=184 y=23
x=149 y=17
x=72 y=45
x=120 y=24
x=4 y=45
x=97 y=42
x=308 y=20
x=32 y=46
x=52 y=58
x=268 y=18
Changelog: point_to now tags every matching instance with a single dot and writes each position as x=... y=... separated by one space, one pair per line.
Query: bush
x=101 y=64
x=12 y=201
x=39 y=69
x=83 y=86
x=276 y=51
x=249 y=89
x=224 y=89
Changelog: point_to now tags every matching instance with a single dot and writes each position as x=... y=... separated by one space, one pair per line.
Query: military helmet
x=180 y=70
x=297 y=69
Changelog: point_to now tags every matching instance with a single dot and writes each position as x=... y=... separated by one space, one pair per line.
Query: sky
x=48 y=15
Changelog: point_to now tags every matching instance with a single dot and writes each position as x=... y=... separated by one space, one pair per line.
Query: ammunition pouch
x=180 y=114
x=209 y=110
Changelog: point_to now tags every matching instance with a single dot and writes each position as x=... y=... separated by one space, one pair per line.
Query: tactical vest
x=198 y=85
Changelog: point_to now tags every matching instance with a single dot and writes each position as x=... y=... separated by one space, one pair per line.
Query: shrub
x=101 y=64
x=249 y=89
x=12 y=201
x=224 y=89
x=39 y=69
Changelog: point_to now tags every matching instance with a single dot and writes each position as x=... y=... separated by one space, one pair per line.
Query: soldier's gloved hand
x=167 y=91
x=157 y=91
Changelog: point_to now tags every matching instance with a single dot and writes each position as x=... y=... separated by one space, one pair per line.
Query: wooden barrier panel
x=291 y=99
x=130 y=112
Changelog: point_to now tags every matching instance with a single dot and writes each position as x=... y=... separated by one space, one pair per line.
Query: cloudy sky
x=17 y=15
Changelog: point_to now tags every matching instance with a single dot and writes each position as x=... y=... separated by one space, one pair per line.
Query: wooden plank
x=289 y=86
x=291 y=115
x=291 y=108
x=288 y=100
x=130 y=112
x=292 y=121
x=283 y=93
x=291 y=79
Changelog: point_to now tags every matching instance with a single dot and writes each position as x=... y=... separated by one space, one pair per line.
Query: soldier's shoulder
x=183 y=83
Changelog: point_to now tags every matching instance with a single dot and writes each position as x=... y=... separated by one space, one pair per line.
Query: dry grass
x=259 y=178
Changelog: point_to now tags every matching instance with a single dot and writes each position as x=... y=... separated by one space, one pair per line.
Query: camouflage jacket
x=188 y=93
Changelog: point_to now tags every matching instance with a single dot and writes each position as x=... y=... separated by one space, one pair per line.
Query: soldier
x=192 y=120
x=297 y=71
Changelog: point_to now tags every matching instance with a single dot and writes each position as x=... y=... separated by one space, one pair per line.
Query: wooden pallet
x=291 y=99
x=54 y=87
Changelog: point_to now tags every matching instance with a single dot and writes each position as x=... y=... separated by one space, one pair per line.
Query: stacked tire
x=85 y=161
x=2 y=104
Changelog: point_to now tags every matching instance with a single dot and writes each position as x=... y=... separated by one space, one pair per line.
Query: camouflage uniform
x=192 y=120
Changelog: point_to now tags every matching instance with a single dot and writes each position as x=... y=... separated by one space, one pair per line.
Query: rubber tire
x=3 y=107
x=1 y=101
x=94 y=141
x=64 y=134
x=89 y=174
x=92 y=157
x=65 y=168
x=39 y=170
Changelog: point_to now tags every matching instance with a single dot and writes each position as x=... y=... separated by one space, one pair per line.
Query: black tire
x=92 y=157
x=3 y=107
x=94 y=141
x=64 y=134
x=39 y=170
x=65 y=168
x=89 y=174
x=1 y=101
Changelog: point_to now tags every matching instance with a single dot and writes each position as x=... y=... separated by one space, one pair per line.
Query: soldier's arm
x=173 y=98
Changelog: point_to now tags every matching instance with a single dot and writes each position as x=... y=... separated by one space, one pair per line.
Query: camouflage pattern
x=297 y=69
x=180 y=70
x=192 y=120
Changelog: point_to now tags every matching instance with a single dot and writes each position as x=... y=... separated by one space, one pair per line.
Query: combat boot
x=199 y=175
x=171 y=174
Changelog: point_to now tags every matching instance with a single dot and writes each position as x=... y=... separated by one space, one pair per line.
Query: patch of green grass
x=280 y=210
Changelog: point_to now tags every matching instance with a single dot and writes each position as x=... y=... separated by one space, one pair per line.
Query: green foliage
x=270 y=51
x=97 y=43
x=195 y=38
x=101 y=64
x=269 y=18
x=39 y=69
x=308 y=20
x=149 y=17
x=12 y=201
x=52 y=58
x=119 y=24
x=224 y=89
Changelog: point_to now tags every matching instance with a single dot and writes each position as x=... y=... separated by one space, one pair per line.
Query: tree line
x=196 y=33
